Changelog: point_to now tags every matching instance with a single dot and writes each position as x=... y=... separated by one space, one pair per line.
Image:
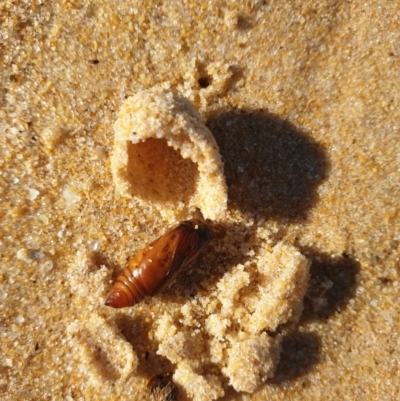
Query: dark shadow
x=272 y=169
x=332 y=284
x=300 y=353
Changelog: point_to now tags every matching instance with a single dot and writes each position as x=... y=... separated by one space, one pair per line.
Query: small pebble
x=33 y=194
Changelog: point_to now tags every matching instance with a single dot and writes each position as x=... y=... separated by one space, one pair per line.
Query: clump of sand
x=164 y=154
x=227 y=329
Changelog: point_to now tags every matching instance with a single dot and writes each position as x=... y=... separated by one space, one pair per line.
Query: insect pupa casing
x=157 y=265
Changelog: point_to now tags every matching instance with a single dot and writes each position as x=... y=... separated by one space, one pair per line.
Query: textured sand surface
x=303 y=100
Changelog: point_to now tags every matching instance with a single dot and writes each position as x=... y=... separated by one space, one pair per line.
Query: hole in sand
x=204 y=82
x=159 y=173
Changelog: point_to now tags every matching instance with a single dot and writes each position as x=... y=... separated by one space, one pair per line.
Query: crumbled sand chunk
x=258 y=295
x=280 y=289
x=198 y=387
x=251 y=362
x=163 y=153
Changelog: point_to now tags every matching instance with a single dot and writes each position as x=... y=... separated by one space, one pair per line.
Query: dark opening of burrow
x=205 y=81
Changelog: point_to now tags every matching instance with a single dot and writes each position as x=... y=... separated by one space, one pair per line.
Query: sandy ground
x=303 y=100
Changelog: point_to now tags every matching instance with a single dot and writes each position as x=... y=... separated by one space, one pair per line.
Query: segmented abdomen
x=158 y=264
x=127 y=290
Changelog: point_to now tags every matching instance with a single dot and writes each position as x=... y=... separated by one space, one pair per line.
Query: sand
x=303 y=102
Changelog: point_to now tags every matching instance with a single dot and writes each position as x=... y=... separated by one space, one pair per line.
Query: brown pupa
x=157 y=265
